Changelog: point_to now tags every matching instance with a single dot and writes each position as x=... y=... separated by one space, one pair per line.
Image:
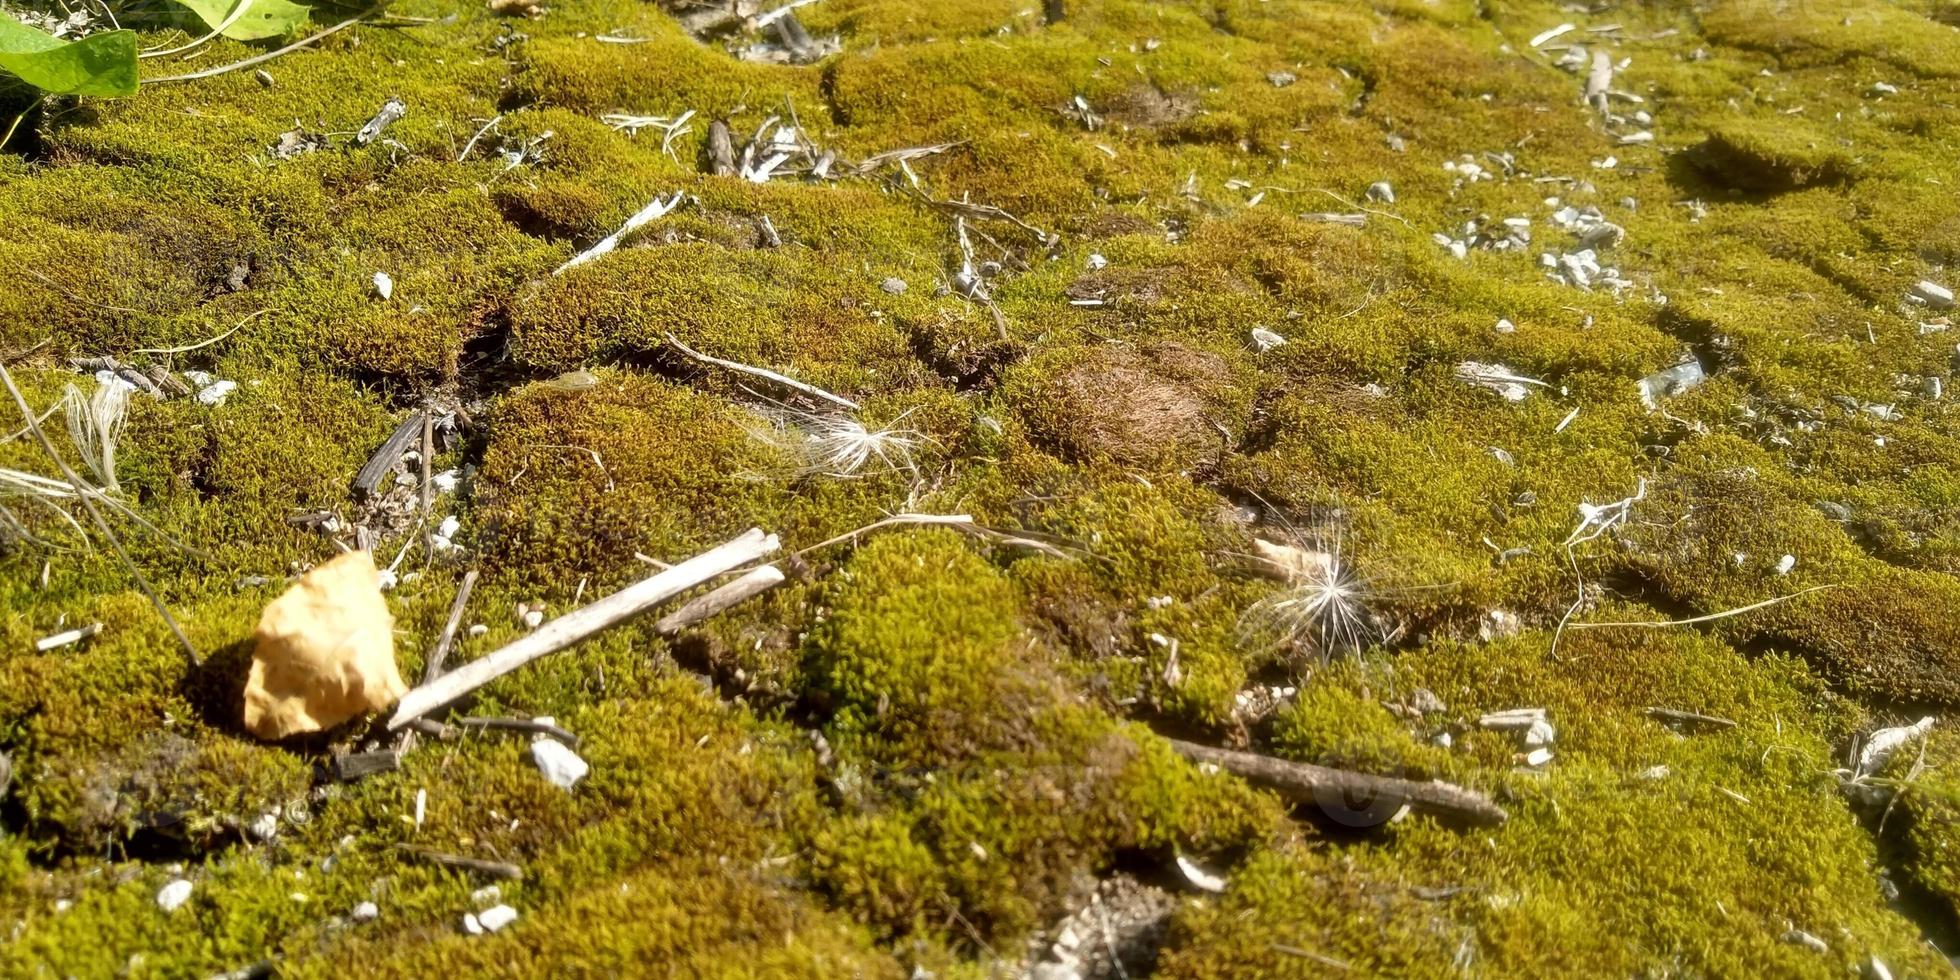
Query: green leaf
x=259 y=19
x=100 y=64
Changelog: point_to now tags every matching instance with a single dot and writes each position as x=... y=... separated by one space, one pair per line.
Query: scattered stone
x=1281 y=79
x=390 y=111
x=1426 y=701
x=365 y=912
x=1381 y=191
x=384 y=285
x=1926 y=292
x=1801 y=938
x=324 y=652
x=1264 y=340
x=215 y=393
x=496 y=917
x=561 y=766
x=172 y=896
x=893 y=285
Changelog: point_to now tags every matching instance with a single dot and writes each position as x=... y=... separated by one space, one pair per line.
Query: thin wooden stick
x=368 y=480
x=583 y=622
x=1675 y=716
x=1711 y=617
x=88 y=501
x=1306 y=783
x=492 y=869
x=781 y=379
x=187 y=348
x=756 y=582
x=428 y=467
x=519 y=725
x=440 y=653
x=262 y=58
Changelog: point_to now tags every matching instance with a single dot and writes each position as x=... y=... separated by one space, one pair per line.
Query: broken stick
x=580 y=623
x=1304 y=783
x=764 y=373
x=433 y=669
x=491 y=869
x=756 y=582
x=369 y=478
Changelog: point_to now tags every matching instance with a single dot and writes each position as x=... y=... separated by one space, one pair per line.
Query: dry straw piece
x=325 y=652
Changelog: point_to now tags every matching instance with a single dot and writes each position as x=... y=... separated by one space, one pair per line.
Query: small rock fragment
x=496 y=917
x=561 y=766
x=1425 y=700
x=1381 y=191
x=1804 y=939
x=1785 y=563
x=1929 y=293
x=365 y=912
x=1264 y=340
x=1281 y=79
x=215 y=393
x=390 y=111
x=384 y=285
x=893 y=285
x=172 y=896
x=324 y=653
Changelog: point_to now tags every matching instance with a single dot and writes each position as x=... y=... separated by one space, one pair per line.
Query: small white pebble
x=478 y=629
x=1264 y=340
x=533 y=618
x=1784 y=564
x=1537 y=757
x=1096 y=261
x=214 y=394
x=561 y=766
x=496 y=917
x=365 y=912
x=421 y=806
x=1506 y=326
x=172 y=896
x=384 y=285
x=266 y=827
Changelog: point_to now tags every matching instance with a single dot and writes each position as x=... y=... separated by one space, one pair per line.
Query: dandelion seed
x=839 y=445
x=1324 y=606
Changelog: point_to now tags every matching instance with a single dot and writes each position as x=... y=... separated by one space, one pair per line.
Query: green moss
x=1769 y=156
x=981 y=704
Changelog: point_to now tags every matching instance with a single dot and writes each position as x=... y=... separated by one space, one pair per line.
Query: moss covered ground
x=925 y=750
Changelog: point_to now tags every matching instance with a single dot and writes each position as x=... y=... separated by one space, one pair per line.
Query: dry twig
x=583 y=622
x=1305 y=783
x=781 y=379
x=83 y=491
